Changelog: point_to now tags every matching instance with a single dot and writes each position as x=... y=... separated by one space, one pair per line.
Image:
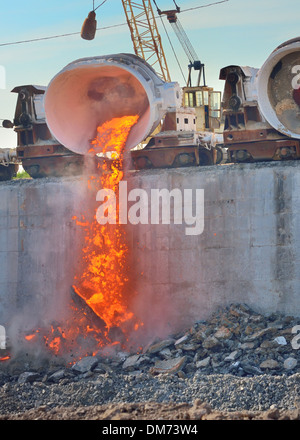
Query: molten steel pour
x=103 y=283
x=102 y=294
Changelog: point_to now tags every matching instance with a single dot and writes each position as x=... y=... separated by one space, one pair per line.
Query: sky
x=241 y=32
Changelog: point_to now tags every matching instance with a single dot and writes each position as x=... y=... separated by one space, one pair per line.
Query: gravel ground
x=119 y=397
x=236 y=366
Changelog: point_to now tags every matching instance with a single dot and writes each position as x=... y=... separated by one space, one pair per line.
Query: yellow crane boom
x=145 y=35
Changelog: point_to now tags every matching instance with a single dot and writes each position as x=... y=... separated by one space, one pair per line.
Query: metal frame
x=145 y=35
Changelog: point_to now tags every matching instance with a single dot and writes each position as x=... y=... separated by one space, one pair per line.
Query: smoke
x=51 y=260
x=50 y=245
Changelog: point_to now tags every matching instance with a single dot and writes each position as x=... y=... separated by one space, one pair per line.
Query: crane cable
x=100 y=29
x=181 y=35
x=95 y=9
x=177 y=7
x=172 y=47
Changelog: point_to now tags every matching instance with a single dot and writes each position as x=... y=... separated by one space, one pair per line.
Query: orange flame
x=55 y=344
x=103 y=283
x=30 y=337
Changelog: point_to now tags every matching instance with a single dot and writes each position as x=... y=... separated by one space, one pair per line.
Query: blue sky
x=242 y=32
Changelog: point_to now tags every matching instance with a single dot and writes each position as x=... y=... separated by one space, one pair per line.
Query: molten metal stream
x=103 y=282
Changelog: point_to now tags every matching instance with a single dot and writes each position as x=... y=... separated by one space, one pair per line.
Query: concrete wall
x=249 y=251
x=39 y=245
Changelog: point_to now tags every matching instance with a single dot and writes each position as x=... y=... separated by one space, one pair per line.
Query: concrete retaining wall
x=248 y=252
x=39 y=245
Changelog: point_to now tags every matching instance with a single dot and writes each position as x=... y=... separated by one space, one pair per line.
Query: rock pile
x=236 y=340
x=238 y=359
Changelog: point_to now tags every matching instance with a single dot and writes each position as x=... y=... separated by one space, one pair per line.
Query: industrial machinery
x=40 y=154
x=43 y=153
x=195 y=63
x=180 y=141
x=177 y=126
x=145 y=36
x=91 y=91
x=178 y=144
x=204 y=99
x=261 y=107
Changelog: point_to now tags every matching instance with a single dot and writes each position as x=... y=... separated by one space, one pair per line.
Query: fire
x=4 y=358
x=103 y=282
x=55 y=344
x=112 y=135
x=101 y=305
x=31 y=336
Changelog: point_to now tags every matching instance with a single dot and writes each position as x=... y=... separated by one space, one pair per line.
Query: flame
x=55 y=344
x=4 y=358
x=103 y=282
x=29 y=337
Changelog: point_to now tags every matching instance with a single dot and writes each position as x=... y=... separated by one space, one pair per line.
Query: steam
x=47 y=263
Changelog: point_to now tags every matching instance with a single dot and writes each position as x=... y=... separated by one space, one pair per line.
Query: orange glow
x=4 y=358
x=103 y=280
x=30 y=337
x=105 y=276
x=55 y=344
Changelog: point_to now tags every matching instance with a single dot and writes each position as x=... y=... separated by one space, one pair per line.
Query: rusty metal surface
x=31 y=151
x=40 y=154
x=266 y=150
x=59 y=166
x=173 y=157
x=236 y=136
x=161 y=157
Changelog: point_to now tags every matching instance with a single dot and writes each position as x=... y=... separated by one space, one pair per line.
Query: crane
x=148 y=45
x=204 y=99
x=195 y=63
x=145 y=35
